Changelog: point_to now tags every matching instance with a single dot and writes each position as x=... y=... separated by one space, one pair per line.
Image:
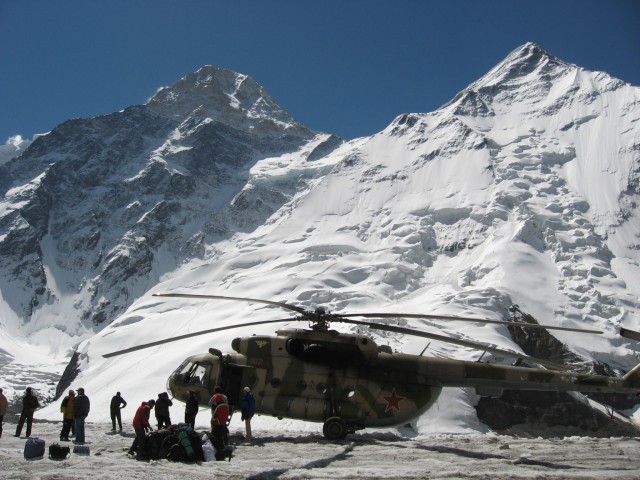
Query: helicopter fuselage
x=323 y=376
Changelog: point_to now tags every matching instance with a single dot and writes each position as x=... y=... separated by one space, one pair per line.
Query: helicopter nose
x=171 y=384
x=235 y=344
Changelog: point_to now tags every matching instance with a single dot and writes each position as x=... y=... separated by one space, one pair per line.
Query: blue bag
x=34 y=448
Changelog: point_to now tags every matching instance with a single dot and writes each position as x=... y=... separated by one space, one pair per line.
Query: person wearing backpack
x=219 y=418
x=30 y=404
x=66 y=408
x=3 y=408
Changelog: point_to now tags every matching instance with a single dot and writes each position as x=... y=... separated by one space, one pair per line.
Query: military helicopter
x=348 y=382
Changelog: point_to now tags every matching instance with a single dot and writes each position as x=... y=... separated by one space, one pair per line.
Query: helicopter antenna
x=481 y=356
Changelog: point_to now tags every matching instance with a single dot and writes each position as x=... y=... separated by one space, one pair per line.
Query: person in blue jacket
x=248 y=409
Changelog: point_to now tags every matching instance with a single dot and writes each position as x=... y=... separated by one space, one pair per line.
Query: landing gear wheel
x=334 y=428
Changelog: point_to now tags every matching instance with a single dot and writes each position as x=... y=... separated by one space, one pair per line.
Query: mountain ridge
x=441 y=211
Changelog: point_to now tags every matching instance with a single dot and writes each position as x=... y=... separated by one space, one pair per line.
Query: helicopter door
x=233 y=384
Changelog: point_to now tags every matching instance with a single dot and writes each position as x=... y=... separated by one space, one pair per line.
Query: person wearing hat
x=66 y=408
x=248 y=409
x=141 y=426
x=3 y=408
x=81 y=407
x=162 y=410
x=219 y=419
x=30 y=404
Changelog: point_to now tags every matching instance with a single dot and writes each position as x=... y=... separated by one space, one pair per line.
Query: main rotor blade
x=286 y=306
x=465 y=319
x=631 y=334
x=195 y=334
x=455 y=341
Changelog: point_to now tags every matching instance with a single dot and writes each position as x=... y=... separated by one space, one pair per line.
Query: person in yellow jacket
x=66 y=408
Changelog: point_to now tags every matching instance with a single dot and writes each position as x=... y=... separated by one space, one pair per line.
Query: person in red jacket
x=219 y=418
x=141 y=425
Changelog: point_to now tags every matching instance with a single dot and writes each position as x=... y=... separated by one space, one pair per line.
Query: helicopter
x=347 y=382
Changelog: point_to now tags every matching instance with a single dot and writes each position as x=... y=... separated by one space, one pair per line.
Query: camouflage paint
x=373 y=387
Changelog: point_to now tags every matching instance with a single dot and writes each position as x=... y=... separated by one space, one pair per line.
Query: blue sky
x=347 y=67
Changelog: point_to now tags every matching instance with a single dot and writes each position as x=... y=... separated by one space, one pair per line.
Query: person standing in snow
x=81 y=407
x=66 y=408
x=219 y=418
x=30 y=404
x=3 y=408
x=191 y=409
x=141 y=425
x=162 y=410
x=117 y=403
x=248 y=409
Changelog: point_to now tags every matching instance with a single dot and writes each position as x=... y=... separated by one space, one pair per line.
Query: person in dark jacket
x=248 y=409
x=191 y=409
x=162 y=410
x=66 y=409
x=4 y=404
x=141 y=425
x=117 y=403
x=30 y=404
x=81 y=407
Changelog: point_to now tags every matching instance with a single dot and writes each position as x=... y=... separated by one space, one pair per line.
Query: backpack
x=186 y=443
x=34 y=448
x=177 y=453
x=153 y=448
x=58 y=452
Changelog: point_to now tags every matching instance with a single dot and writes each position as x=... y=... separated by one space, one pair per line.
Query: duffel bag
x=58 y=452
x=34 y=448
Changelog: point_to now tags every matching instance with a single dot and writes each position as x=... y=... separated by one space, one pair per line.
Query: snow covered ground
x=295 y=455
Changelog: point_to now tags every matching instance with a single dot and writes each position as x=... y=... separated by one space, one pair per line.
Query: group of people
x=75 y=409
x=219 y=416
x=74 y=412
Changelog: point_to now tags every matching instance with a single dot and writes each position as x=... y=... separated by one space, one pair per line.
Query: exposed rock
x=552 y=413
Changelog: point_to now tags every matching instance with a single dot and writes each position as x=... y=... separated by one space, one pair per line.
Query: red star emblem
x=393 y=401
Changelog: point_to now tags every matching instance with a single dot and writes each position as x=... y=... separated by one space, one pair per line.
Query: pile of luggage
x=34 y=449
x=180 y=443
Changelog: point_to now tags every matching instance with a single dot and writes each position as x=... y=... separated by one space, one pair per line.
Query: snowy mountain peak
x=526 y=62
x=225 y=96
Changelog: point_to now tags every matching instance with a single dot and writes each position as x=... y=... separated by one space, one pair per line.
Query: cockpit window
x=193 y=373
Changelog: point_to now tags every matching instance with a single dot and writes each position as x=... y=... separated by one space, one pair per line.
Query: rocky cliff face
x=96 y=200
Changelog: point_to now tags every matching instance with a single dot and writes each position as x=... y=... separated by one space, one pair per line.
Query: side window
x=199 y=375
